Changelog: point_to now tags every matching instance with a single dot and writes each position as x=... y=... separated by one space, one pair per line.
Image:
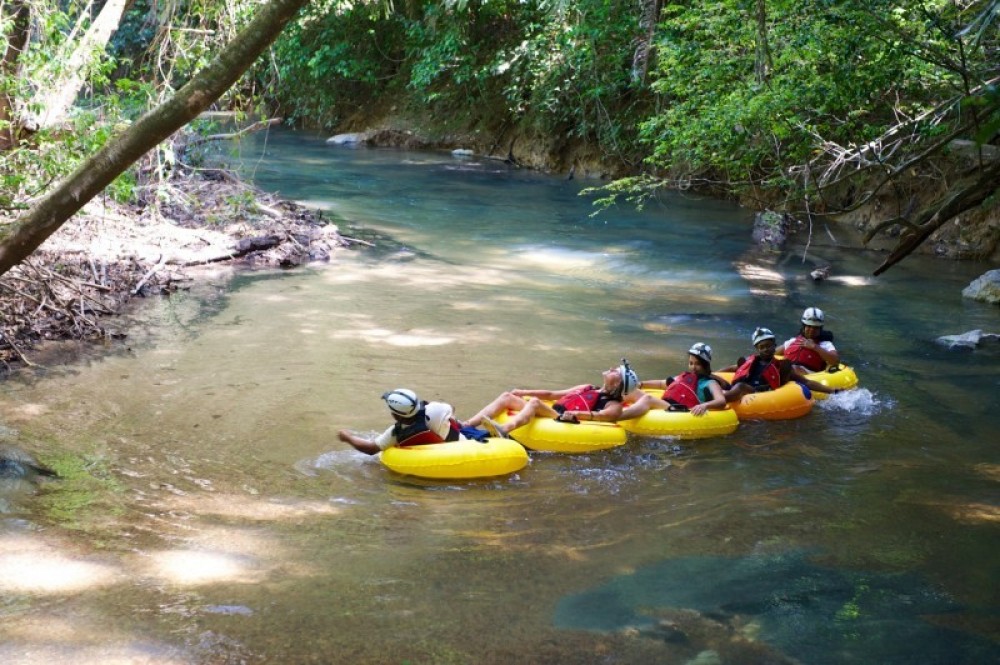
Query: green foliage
x=842 y=71
x=713 y=111
x=331 y=58
x=559 y=67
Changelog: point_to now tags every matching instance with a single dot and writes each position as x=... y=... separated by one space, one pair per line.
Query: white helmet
x=813 y=316
x=402 y=402
x=761 y=334
x=630 y=380
x=701 y=350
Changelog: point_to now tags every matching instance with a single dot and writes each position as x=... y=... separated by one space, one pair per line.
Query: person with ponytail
x=581 y=403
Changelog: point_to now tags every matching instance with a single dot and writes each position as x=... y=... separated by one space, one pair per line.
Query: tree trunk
x=19 y=15
x=56 y=98
x=649 y=17
x=763 y=63
x=25 y=234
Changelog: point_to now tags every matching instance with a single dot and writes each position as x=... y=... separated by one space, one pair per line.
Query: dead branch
x=255 y=127
x=978 y=185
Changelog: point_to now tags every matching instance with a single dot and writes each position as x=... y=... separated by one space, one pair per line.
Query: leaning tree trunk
x=24 y=235
x=969 y=192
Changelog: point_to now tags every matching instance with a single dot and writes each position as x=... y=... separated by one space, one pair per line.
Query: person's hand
x=699 y=410
x=571 y=419
x=344 y=436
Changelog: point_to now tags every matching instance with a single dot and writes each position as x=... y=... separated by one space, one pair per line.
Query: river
x=215 y=518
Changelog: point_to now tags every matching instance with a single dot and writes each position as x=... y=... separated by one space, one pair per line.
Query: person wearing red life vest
x=585 y=402
x=695 y=390
x=417 y=422
x=763 y=372
x=813 y=347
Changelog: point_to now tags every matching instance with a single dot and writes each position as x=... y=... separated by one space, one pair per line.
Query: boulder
x=985 y=288
x=770 y=229
x=969 y=340
x=354 y=138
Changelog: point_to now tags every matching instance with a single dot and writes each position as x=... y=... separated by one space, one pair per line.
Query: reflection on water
x=228 y=524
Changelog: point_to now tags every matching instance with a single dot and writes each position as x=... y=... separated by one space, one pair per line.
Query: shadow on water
x=810 y=612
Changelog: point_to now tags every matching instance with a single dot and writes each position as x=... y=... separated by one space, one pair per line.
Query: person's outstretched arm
x=366 y=446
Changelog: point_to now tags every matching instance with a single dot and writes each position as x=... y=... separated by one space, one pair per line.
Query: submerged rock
x=985 y=288
x=969 y=340
x=18 y=463
x=819 y=274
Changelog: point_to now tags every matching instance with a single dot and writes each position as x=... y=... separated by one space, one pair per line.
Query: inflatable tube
x=841 y=376
x=457 y=460
x=550 y=435
x=683 y=425
x=789 y=401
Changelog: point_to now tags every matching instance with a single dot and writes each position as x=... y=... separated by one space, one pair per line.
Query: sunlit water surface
x=243 y=531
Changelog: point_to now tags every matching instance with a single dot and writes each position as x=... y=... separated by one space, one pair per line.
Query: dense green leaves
x=739 y=93
x=557 y=67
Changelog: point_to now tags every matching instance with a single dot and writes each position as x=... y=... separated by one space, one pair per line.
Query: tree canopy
x=819 y=107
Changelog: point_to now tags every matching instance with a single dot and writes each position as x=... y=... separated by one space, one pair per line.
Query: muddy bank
x=111 y=254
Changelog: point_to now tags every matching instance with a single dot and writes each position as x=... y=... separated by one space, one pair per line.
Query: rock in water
x=18 y=463
x=819 y=274
x=985 y=288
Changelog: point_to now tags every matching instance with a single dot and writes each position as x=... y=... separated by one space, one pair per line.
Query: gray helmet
x=630 y=380
x=813 y=316
x=761 y=334
x=701 y=350
x=402 y=402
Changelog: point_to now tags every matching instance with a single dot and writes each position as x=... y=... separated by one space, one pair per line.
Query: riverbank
x=110 y=254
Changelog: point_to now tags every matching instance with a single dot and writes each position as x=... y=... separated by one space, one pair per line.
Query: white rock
x=969 y=340
x=985 y=288
x=347 y=139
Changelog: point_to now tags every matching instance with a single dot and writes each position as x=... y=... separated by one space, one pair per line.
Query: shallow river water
x=227 y=523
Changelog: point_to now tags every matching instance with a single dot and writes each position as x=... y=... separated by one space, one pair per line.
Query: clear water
x=243 y=531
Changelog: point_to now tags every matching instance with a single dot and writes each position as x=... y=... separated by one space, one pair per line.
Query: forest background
x=883 y=114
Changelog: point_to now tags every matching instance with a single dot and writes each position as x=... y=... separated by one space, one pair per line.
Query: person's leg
x=502 y=403
x=532 y=407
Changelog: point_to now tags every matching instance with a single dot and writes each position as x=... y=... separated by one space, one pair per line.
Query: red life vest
x=800 y=355
x=767 y=375
x=418 y=433
x=585 y=399
x=683 y=390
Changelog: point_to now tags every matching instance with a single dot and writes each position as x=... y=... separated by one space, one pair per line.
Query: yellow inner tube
x=682 y=424
x=457 y=459
x=787 y=402
x=841 y=376
x=550 y=435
